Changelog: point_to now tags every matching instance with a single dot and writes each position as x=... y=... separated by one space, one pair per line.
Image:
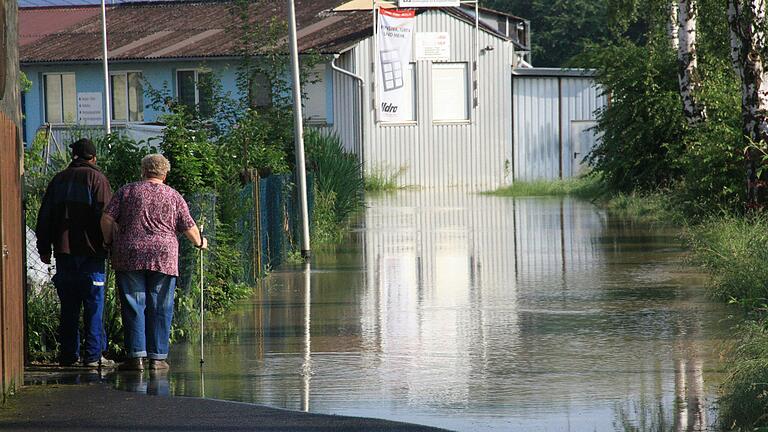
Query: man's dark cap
x=83 y=149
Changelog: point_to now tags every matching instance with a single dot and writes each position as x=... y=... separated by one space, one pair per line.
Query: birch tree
x=746 y=23
x=687 y=60
x=672 y=25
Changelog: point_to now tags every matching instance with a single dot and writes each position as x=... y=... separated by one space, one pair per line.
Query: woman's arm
x=193 y=234
x=107 y=225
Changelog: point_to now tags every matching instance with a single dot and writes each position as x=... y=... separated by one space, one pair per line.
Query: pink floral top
x=149 y=216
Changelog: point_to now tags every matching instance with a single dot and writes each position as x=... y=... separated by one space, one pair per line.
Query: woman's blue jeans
x=147 y=309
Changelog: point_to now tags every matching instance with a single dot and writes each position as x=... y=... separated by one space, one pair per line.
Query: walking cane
x=202 y=297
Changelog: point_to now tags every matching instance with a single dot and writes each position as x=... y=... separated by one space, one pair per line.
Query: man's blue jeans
x=147 y=309
x=79 y=281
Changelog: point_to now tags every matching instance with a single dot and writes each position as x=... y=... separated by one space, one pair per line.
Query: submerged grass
x=383 y=179
x=585 y=187
x=648 y=207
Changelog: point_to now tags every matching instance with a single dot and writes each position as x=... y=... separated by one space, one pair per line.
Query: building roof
x=554 y=72
x=178 y=29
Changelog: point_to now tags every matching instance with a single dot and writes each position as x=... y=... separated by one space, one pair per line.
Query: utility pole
x=108 y=110
x=301 y=173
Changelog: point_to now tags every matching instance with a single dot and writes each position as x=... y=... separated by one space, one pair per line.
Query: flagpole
x=298 y=131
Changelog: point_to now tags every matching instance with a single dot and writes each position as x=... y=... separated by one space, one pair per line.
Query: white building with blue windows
x=460 y=128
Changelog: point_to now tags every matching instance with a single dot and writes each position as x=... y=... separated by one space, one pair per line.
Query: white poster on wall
x=395 y=42
x=435 y=46
x=89 y=109
x=428 y=3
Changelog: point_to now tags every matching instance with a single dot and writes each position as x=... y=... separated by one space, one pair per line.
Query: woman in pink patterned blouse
x=145 y=218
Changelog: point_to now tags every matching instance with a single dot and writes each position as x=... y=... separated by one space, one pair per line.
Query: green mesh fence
x=202 y=207
x=278 y=227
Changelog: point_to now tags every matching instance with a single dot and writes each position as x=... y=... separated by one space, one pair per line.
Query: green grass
x=648 y=207
x=384 y=180
x=586 y=187
x=744 y=400
x=734 y=249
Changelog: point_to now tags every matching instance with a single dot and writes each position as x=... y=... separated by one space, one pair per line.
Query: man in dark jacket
x=69 y=221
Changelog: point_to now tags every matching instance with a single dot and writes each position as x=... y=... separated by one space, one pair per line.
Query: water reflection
x=477 y=313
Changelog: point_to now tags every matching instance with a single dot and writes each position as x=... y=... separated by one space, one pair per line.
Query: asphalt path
x=98 y=407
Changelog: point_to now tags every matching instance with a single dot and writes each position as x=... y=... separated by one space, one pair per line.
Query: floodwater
x=476 y=313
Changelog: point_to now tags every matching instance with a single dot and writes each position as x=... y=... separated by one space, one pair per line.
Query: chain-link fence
x=277 y=229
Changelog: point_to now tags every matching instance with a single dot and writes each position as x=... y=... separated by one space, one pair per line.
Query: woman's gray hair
x=155 y=166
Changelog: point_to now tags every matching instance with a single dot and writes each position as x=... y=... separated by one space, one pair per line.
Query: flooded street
x=476 y=313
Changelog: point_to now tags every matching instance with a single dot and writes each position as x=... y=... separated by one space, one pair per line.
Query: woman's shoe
x=133 y=364
x=155 y=364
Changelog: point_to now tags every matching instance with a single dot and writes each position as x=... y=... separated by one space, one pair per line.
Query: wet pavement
x=475 y=313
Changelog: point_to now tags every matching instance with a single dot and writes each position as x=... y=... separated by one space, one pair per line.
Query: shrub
x=336 y=171
x=42 y=323
x=643 y=128
x=712 y=164
x=120 y=159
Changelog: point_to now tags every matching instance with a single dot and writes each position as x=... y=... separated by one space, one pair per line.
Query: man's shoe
x=68 y=363
x=155 y=364
x=133 y=364
x=102 y=362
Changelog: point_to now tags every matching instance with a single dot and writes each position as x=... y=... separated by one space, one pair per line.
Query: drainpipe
x=361 y=84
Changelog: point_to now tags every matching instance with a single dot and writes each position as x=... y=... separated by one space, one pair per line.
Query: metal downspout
x=361 y=84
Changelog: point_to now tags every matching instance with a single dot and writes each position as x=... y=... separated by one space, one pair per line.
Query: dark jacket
x=70 y=213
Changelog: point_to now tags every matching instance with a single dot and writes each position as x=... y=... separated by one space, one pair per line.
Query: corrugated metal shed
x=475 y=153
x=552 y=121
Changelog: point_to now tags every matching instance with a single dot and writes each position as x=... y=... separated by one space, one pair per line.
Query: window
x=260 y=92
x=60 y=98
x=450 y=92
x=315 y=106
x=194 y=89
x=410 y=88
x=127 y=97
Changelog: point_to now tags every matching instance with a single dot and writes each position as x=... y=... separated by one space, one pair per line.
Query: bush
x=336 y=171
x=643 y=127
x=120 y=159
x=43 y=323
x=712 y=164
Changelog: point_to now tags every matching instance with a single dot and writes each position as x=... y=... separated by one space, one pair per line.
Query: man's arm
x=102 y=194
x=45 y=226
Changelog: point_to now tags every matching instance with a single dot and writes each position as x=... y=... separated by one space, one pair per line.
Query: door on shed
x=583 y=140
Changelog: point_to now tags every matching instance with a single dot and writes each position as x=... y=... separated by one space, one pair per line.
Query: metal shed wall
x=546 y=110
x=474 y=154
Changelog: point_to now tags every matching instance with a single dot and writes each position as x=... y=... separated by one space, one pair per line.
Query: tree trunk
x=746 y=20
x=746 y=24
x=688 y=76
x=672 y=25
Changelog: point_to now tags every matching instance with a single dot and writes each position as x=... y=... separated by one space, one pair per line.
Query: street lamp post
x=108 y=110
x=299 y=132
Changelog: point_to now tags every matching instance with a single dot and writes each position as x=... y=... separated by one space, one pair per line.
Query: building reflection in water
x=474 y=312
